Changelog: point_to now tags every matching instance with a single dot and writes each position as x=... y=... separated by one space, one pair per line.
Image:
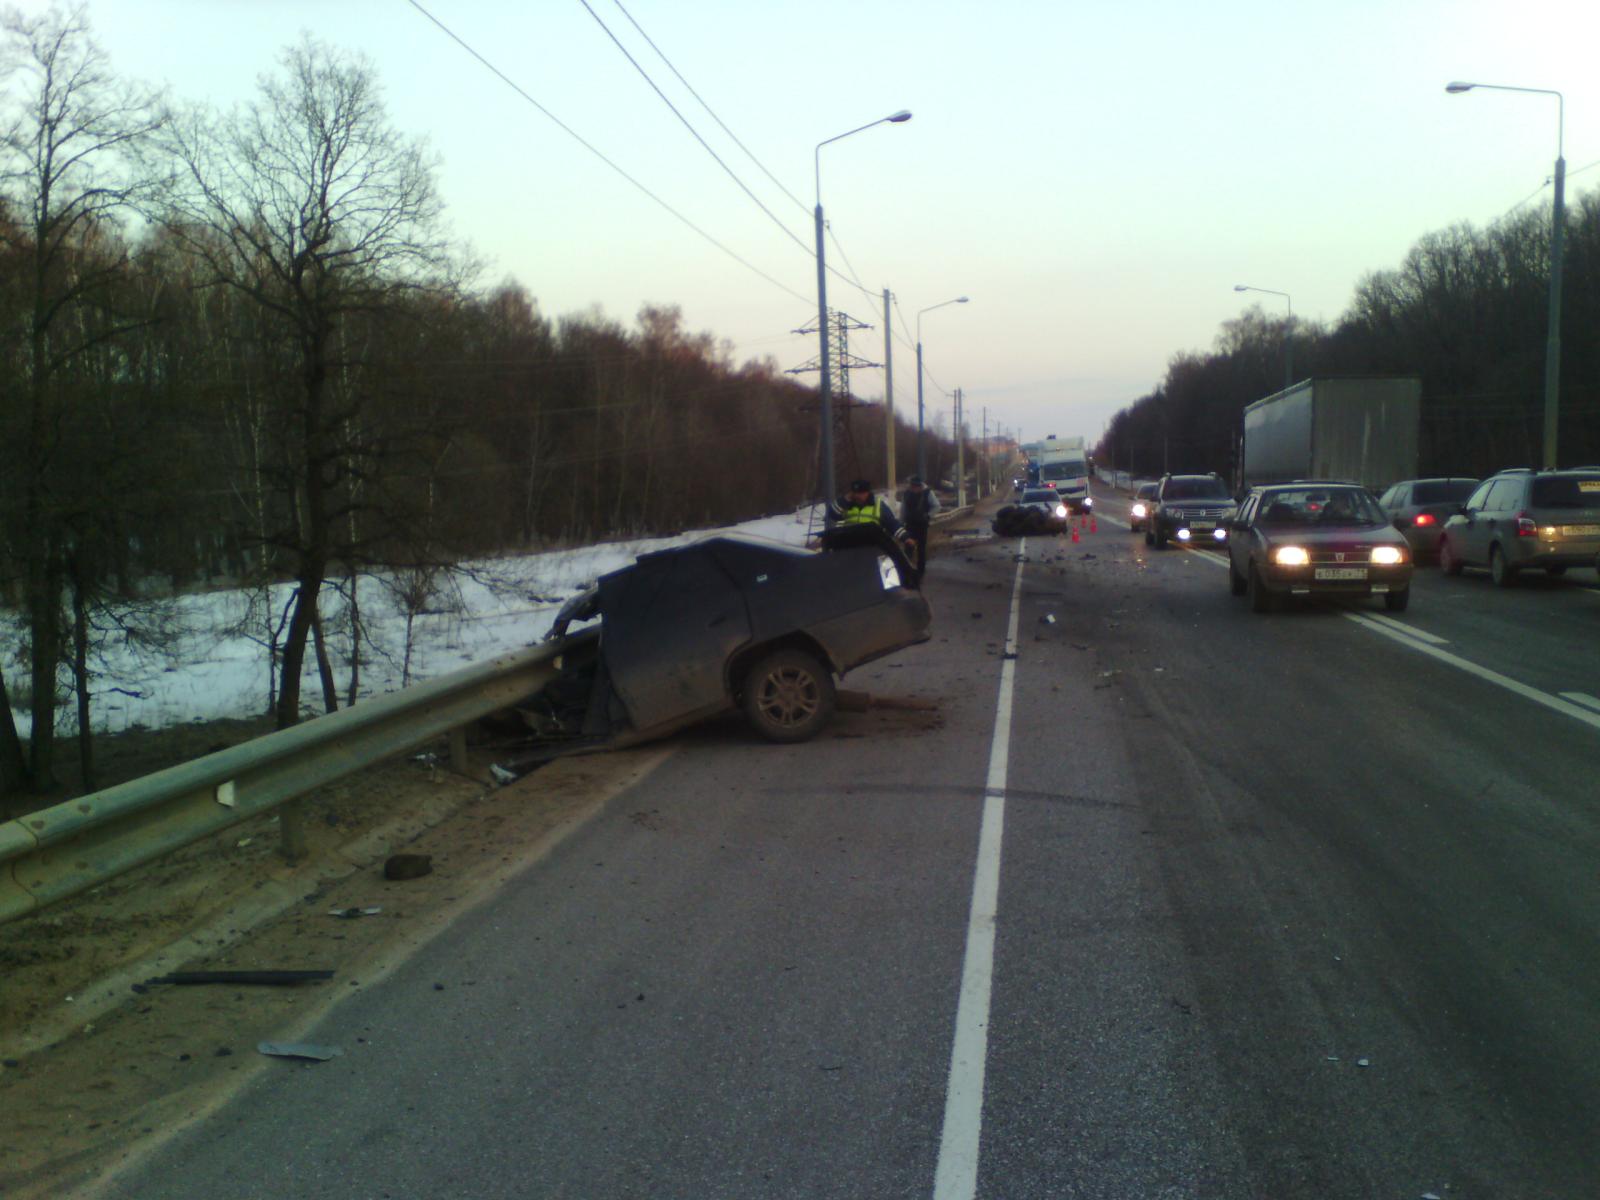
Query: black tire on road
x=1237 y=583
x=1161 y=538
x=1397 y=601
x=788 y=696
x=1449 y=561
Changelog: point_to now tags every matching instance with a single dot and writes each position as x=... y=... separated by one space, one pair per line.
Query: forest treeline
x=1466 y=312
x=242 y=347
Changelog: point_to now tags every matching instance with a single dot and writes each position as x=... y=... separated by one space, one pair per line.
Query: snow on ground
x=214 y=669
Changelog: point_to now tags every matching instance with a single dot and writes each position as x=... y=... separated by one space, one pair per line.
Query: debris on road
x=1363 y=1062
x=408 y=866
x=370 y=911
x=1048 y=619
x=306 y=1050
x=264 y=978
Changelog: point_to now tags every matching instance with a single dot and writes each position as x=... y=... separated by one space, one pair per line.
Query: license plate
x=1582 y=531
x=1340 y=573
x=1202 y=524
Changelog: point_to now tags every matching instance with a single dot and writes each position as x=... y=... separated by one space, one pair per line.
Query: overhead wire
x=695 y=133
x=577 y=137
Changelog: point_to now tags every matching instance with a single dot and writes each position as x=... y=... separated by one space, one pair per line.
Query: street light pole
x=1288 y=331
x=828 y=491
x=922 y=452
x=890 y=475
x=1558 y=228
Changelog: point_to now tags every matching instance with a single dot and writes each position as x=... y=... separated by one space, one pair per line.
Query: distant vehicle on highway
x=1418 y=508
x=1139 y=510
x=1549 y=520
x=1316 y=539
x=1037 y=510
x=1188 y=508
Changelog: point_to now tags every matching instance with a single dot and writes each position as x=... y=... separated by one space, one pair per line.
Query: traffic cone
x=1094 y=525
x=1074 y=532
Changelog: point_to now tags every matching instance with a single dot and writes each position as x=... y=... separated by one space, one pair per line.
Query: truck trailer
x=1362 y=428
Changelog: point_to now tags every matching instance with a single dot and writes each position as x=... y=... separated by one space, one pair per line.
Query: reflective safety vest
x=861 y=514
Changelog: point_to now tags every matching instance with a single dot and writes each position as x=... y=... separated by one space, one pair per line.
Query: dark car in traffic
x=1188 y=508
x=1037 y=510
x=728 y=623
x=1316 y=539
x=1548 y=520
x=1419 y=508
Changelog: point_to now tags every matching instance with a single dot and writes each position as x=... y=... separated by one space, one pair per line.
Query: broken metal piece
x=300 y=1050
x=268 y=978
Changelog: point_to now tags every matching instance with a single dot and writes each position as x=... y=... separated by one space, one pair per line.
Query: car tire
x=1161 y=538
x=1449 y=561
x=1502 y=572
x=1397 y=601
x=1149 y=538
x=788 y=696
x=1261 y=600
x=1237 y=583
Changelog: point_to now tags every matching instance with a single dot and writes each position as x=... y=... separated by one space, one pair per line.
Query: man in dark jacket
x=918 y=505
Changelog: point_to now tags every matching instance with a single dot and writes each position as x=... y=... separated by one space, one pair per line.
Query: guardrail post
x=292 y=829
x=458 y=749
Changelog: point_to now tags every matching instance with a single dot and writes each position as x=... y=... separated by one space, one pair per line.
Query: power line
x=799 y=203
x=789 y=233
x=570 y=132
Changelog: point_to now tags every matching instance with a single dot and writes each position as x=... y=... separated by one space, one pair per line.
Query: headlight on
x=1088 y=501
x=1387 y=555
x=1291 y=556
x=1139 y=510
x=1220 y=534
x=1061 y=510
x=1183 y=535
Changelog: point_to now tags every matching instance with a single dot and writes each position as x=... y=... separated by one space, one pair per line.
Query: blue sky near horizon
x=1096 y=176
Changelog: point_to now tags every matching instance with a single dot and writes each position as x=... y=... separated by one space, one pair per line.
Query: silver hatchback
x=1548 y=520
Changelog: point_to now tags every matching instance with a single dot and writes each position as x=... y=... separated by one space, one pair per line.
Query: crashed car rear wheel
x=788 y=696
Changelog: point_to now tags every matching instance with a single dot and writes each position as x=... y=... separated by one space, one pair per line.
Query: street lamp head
x=898 y=118
x=1456 y=88
x=1240 y=287
x=961 y=299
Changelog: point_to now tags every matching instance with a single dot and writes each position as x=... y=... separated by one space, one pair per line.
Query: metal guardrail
x=58 y=852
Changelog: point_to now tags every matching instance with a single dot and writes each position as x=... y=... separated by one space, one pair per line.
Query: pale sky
x=1095 y=176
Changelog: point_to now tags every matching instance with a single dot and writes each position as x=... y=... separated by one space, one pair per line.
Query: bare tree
x=68 y=164
x=311 y=205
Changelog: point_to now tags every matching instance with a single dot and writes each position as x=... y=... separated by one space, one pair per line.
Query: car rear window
x=1567 y=491
x=1043 y=495
x=1441 y=491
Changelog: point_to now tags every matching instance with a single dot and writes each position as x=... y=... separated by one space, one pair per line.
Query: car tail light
x=1526 y=527
x=1424 y=519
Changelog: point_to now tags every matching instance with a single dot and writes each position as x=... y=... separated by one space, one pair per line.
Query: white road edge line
x=1565 y=707
x=1582 y=698
x=956 y=1177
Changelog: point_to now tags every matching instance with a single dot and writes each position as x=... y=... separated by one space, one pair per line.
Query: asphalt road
x=1295 y=905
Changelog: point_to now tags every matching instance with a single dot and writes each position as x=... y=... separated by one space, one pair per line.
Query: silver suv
x=1544 y=519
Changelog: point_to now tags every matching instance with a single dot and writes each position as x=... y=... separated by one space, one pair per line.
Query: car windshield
x=1147 y=491
x=1195 y=489
x=1567 y=491
x=1441 y=491
x=1320 y=506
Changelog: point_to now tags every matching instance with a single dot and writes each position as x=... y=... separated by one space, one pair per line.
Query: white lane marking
x=1110 y=520
x=1581 y=698
x=957 y=1175
x=1565 y=707
x=1422 y=635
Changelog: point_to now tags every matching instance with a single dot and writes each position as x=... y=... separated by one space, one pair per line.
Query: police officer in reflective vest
x=858 y=506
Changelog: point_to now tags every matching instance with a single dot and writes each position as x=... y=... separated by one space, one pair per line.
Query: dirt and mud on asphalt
x=98 y=1065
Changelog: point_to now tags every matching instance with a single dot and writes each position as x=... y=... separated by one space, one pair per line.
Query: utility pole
x=890 y=475
x=984 y=472
x=961 y=458
x=835 y=346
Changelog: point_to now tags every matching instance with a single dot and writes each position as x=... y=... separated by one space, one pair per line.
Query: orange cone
x=1094 y=525
x=1074 y=531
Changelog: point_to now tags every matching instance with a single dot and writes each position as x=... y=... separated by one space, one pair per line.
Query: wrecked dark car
x=728 y=623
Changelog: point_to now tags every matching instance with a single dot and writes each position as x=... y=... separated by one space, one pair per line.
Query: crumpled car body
x=680 y=632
